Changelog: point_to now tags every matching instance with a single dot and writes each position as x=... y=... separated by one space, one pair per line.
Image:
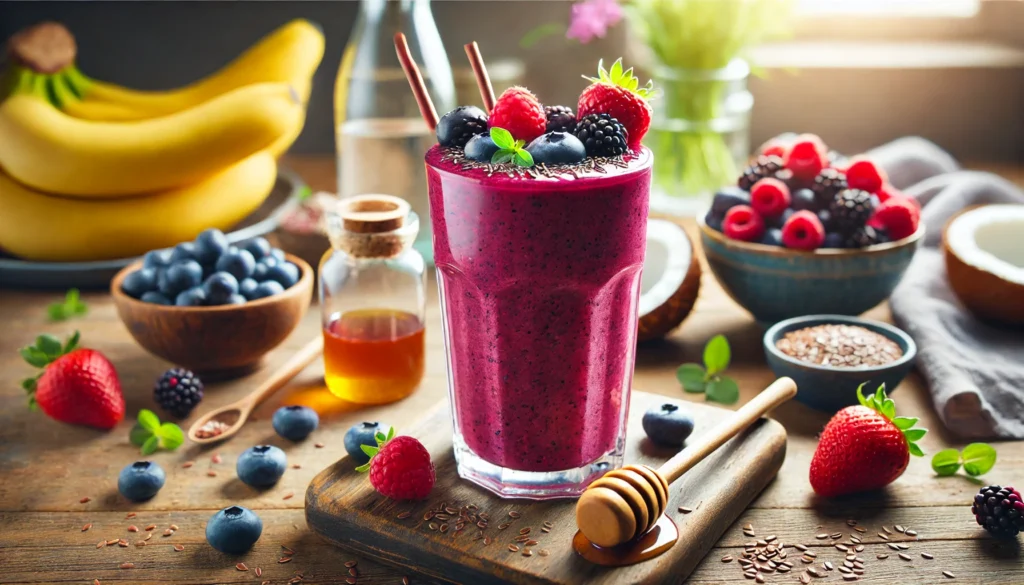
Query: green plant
x=708 y=379
x=71 y=306
x=509 y=149
x=149 y=434
x=976 y=459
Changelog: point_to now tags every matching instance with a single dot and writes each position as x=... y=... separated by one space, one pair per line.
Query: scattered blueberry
x=285 y=273
x=238 y=262
x=803 y=199
x=157 y=259
x=295 y=423
x=668 y=425
x=234 y=530
x=714 y=220
x=481 y=148
x=361 y=434
x=266 y=289
x=210 y=244
x=258 y=247
x=727 y=198
x=155 y=297
x=833 y=240
x=772 y=237
x=193 y=297
x=247 y=287
x=184 y=251
x=219 y=288
x=141 y=480
x=557 y=148
x=139 y=282
x=261 y=466
x=459 y=125
x=180 y=276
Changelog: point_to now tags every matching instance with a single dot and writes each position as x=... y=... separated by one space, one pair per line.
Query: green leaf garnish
x=381 y=440
x=71 y=306
x=502 y=138
x=502 y=156
x=151 y=445
x=150 y=434
x=371 y=451
x=692 y=377
x=624 y=79
x=946 y=462
x=171 y=436
x=978 y=458
x=139 y=435
x=148 y=420
x=723 y=389
x=305 y=192
x=510 y=150
x=523 y=158
x=707 y=378
x=886 y=407
x=717 y=355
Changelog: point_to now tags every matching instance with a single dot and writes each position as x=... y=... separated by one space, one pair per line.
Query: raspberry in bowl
x=800 y=235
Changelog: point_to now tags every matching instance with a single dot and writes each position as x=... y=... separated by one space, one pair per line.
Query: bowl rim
x=304 y=284
x=890 y=331
x=766 y=250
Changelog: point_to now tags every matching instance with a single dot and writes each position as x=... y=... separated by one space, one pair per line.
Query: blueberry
x=180 y=276
x=668 y=425
x=261 y=466
x=277 y=254
x=826 y=219
x=141 y=480
x=219 y=287
x=184 y=251
x=238 y=262
x=236 y=299
x=259 y=274
x=772 y=237
x=295 y=423
x=139 y=282
x=285 y=273
x=210 y=244
x=833 y=240
x=247 y=287
x=780 y=220
x=361 y=434
x=258 y=247
x=234 y=530
x=266 y=289
x=459 y=125
x=714 y=220
x=803 y=199
x=193 y=297
x=481 y=148
x=157 y=259
x=156 y=298
x=727 y=198
x=557 y=148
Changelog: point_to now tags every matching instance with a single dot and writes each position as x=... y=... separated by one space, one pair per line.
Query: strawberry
x=617 y=94
x=899 y=216
x=76 y=386
x=518 y=111
x=400 y=467
x=864 y=447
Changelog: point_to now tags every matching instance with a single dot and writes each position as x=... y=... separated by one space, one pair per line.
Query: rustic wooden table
x=47 y=469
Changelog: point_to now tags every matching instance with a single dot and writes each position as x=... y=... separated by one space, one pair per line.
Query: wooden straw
x=419 y=88
x=483 y=81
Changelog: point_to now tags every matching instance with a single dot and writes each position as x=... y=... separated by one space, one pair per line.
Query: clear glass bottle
x=373 y=301
x=381 y=138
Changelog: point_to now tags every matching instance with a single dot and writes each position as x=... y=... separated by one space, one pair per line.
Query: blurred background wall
x=856 y=80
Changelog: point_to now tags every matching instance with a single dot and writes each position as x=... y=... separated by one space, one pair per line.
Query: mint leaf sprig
x=150 y=434
x=509 y=149
x=381 y=438
x=71 y=306
x=976 y=459
x=708 y=379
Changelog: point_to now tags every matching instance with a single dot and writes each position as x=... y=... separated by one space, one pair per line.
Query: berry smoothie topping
x=617 y=93
x=400 y=467
x=520 y=112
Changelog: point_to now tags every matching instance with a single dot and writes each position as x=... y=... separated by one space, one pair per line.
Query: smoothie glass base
x=532 y=485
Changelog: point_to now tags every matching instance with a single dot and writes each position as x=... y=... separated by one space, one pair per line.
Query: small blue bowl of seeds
x=830 y=356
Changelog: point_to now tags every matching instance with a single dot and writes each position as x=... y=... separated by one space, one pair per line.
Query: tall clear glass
x=540 y=283
x=381 y=138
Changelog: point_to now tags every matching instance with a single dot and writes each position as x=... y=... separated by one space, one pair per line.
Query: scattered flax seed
x=350 y=580
x=288 y=496
x=911 y=533
x=881 y=556
x=216 y=458
x=532 y=543
x=770 y=538
x=133 y=528
x=443 y=528
x=811 y=554
x=886 y=530
x=101 y=544
x=148 y=536
x=168 y=532
x=127 y=565
x=821 y=536
x=905 y=556
x=432 y=526
x=241 y=567
x=181 y=547
x=851 y=522
x=850 y=578
x=187 y=464
x=504 y=525
x=514 y=515
x=762 y=543
x=883 y=536
x=805 y=578
x=350 y=564
x=522 y=538
x=488 y=540
x=150 y=527
x=524 y=530
x=544 y=552
x=353 y=571
x=842 y=547
x=836 y=535
x=899 y=528
x=405 y=581
x=173 y=526
x=85 y=500
x=211 y=473
x=296 y=466
x=129 y=515
x=527 y=553
x=727 y=559
x=902 y=546
x=829 y=566
x=112 y=541
x=403 y=515
x=927 y=556
x=685 y=510
x=122 y=543
x=287 y=550
x=948 y=574
x=86 y=527
x=894 y=546
x=800 y=547
x=513 y=548
x=284 y=560
x=257 y=570
x=140 y=544
x=319 y=445
x=860 y=529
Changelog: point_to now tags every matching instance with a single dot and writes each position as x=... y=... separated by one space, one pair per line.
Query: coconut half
x=984 y=250
x=670 y=281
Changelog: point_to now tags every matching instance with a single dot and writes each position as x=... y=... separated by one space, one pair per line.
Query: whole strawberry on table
x=800 y=195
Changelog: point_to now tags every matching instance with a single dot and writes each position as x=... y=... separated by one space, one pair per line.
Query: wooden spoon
x=236 y=413
x=625 y=503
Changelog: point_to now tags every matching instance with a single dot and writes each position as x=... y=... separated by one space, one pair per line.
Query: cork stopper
x=374 y=226
x=46 y=47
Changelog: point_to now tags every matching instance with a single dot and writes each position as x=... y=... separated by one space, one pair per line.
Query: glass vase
x=700 y=135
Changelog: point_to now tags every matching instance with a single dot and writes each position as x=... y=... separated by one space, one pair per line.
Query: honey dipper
x=625 y=503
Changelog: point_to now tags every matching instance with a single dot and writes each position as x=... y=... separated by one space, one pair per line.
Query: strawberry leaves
x=708 y=378
x=510 y=150
x=71 y=306
x=976 y=459
x=622 y=78
x=45 y=351
x=381 y=439
x=883 y=404
x=149 y=434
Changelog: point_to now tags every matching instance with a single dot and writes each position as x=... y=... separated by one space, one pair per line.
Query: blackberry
x=763 y=166
x=602 y=135
x=999 y=510
x=851 y=209
x=560 y=119
x=459 y=125
x=863 y=237
x=827 y=184
x=178 y=391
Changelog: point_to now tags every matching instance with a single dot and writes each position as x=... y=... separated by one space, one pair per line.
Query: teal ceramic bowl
x=831 y=388
x=774 y=283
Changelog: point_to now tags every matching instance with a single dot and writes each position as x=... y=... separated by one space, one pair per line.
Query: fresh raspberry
x=899 y=216
x=518 y=111
x=803 y=231
x=743 y=223
x=806 y=157
x=865 y=175
x=617 y=93
x=769 y=197
x=401 y=469
x=887 y=191
x=774 y=149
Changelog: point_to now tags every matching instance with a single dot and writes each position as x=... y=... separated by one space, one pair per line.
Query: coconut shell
x=663 y=319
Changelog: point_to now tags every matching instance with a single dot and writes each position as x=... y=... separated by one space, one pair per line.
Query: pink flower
x=591 y=18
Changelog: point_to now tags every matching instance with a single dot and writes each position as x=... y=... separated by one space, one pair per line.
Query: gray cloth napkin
x=975 y=372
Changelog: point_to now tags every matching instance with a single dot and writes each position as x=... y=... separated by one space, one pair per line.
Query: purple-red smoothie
x=540 y=279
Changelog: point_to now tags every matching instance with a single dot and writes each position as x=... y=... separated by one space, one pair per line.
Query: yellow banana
x=48 y=150
x=38 y=226
x=290 y=54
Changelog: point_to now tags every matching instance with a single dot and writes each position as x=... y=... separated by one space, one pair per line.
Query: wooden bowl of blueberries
x=212 y=307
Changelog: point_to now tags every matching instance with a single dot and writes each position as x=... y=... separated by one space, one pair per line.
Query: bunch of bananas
x=90 y=170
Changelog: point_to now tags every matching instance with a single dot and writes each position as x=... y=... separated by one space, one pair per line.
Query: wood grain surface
x=47 y=467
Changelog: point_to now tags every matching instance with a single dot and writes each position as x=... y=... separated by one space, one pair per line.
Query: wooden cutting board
x=342 y=507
